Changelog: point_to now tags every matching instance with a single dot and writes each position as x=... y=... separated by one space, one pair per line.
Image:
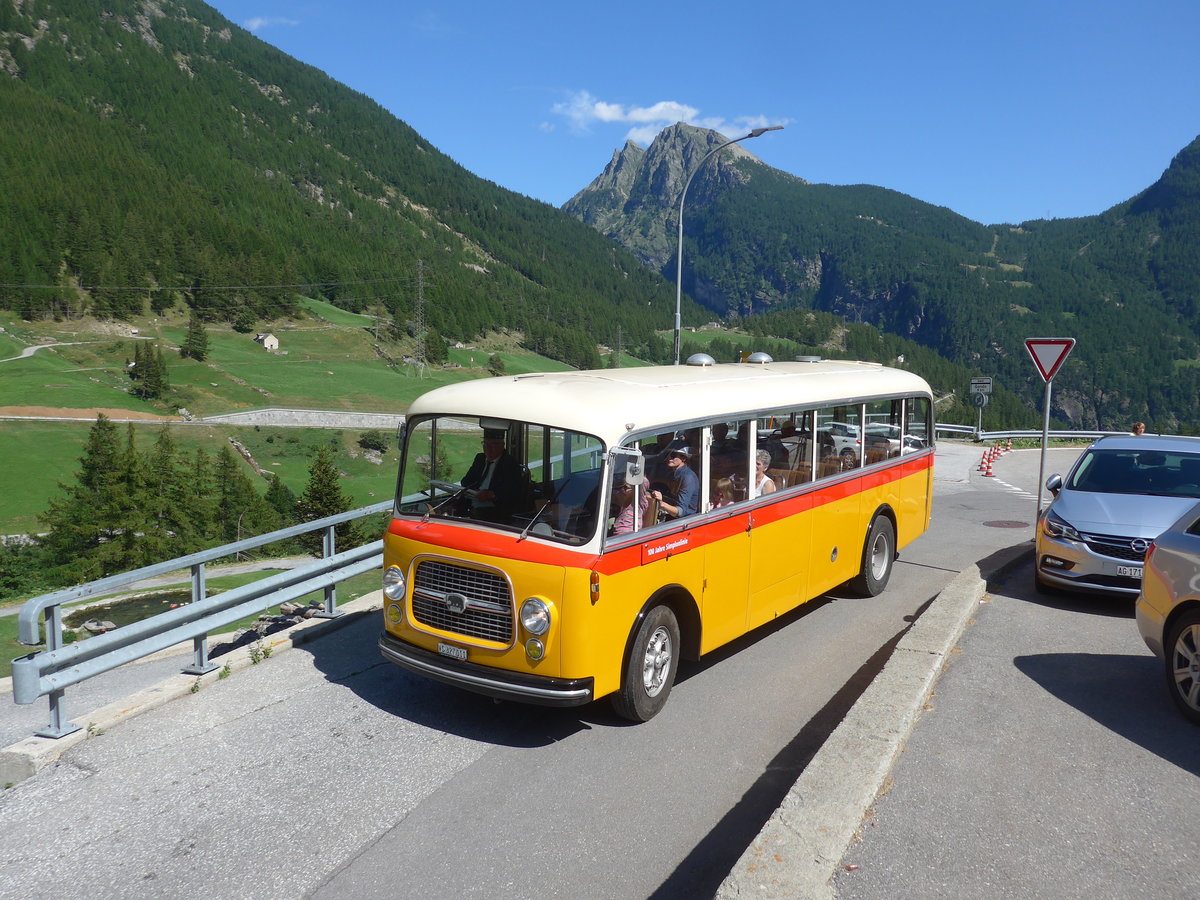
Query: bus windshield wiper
x=537 y=515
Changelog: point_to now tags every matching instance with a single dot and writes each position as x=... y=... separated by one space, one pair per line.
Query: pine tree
x=282 y=500
x=170 y=529
x=195 y=342
x=240 y=511
x=90 y=523
x=202 y=503
x=323 y=496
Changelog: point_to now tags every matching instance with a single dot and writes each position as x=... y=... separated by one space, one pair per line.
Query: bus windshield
x=531 y=478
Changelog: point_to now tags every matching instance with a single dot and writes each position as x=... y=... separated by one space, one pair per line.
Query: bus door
x=780 y=535
x=727 y=546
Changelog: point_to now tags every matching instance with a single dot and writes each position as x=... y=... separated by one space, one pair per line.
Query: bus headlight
x=394 y=614
x=535 y=616
x=393 y=583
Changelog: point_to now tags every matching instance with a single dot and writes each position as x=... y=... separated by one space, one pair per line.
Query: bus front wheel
x=878 y=555
x=650 y=671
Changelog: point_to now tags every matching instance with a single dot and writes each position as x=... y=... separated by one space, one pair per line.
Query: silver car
x=1168 y=609
x=1121 y=493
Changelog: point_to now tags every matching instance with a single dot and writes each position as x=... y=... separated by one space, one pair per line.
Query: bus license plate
x=1130 y=571
x=460 y=653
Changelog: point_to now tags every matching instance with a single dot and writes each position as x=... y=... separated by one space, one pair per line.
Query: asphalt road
x=1050 y=763
x=327 y=772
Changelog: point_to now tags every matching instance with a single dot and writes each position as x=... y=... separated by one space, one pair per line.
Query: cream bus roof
x=611 y=403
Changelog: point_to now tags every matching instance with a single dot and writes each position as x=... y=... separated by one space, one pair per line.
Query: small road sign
x=981 y=385
x=980 y=400
x=1049 y=354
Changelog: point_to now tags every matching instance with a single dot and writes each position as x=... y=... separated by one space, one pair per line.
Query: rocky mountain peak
x=633 y=200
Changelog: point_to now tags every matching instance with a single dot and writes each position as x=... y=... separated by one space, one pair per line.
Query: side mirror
x=1054 y=484
x=635 y=470
x=631 y=463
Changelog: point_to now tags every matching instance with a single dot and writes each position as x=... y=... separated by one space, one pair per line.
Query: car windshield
x=522 y=476
x=1157 y=472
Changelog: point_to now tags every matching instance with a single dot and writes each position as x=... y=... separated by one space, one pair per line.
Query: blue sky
x=1001 y=111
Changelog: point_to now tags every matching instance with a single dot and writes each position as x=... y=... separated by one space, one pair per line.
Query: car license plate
x=460 y=653
x=1130 y=571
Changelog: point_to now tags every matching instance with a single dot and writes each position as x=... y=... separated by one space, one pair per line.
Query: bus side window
x=918 y=426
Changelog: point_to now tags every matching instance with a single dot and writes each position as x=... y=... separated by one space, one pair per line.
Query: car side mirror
x=1054 y=484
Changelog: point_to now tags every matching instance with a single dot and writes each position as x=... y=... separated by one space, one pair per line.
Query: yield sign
x=1049 y=353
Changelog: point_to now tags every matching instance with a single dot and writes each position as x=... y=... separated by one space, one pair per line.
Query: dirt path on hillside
x=50 y=412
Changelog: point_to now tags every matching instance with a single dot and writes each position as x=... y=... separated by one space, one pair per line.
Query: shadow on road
x=351 y=657
x=1125 y=694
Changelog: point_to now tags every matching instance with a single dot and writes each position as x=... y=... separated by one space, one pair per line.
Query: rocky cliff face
x=635 y=200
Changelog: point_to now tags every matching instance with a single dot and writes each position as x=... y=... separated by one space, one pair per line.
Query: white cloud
x=582 y=110
x=259 y=22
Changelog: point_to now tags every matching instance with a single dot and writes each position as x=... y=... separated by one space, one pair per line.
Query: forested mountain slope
x=154 y=153
x=760 y=242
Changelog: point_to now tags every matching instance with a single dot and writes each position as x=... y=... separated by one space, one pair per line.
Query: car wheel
x=650 y=671
x=878 y=555
x=1183 y=664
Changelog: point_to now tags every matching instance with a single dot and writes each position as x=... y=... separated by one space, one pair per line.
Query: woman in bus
x=762 y=482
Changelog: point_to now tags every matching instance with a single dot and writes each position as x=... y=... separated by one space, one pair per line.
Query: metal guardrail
x=1035 y=434
x=50 y=671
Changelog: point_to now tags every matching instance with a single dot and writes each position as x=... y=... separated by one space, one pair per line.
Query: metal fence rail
x=970 y=431
x=50 y=671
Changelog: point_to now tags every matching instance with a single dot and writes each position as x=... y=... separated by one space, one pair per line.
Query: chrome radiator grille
x=475 y=603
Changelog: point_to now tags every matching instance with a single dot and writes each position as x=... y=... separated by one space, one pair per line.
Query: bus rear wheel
x=650 y=671
x=878 y=555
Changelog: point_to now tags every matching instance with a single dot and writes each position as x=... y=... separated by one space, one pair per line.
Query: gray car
x=1121 y=493
x=1168 y=609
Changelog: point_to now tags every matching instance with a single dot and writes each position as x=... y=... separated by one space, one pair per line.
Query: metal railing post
x=328 y=541
x=200 y=661
x=59 y=726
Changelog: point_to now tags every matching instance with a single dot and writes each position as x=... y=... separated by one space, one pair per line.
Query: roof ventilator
x=701 y=359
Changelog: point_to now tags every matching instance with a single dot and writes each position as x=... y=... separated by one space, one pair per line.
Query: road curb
x=797 y=852
x=27 y=757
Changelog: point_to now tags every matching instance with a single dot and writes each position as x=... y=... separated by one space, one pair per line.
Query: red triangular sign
x=1049 y=354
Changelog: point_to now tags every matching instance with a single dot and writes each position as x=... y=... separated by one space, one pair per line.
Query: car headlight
x=535 y=616
x=1056 y=526
x=393 y=583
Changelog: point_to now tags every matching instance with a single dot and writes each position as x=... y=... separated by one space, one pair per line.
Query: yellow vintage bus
x=562 y=537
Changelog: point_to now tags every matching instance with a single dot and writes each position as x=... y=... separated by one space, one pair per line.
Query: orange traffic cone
x=987 y=473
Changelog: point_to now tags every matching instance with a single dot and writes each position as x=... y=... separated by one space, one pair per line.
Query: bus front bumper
x=498 y=683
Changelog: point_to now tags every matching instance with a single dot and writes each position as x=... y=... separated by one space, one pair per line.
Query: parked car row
x=1125 y=521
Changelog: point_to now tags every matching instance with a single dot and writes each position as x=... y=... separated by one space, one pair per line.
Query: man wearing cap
x=687 y=485
x=496 y=480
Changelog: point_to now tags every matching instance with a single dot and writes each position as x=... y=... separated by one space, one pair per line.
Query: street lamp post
x=683 y=195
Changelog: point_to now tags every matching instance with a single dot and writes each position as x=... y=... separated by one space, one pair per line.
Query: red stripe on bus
x=487 y=543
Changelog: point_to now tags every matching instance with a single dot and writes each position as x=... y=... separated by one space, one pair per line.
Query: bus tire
x=879 y=553
x=650 y=670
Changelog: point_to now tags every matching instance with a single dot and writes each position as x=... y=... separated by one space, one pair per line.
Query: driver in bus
x=687 y=485
x=495 y=480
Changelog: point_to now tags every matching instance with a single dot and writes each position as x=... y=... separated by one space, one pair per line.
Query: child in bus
x=723 y=493
x=627 y=513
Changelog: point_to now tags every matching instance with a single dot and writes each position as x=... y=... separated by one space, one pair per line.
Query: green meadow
x=328 y=359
